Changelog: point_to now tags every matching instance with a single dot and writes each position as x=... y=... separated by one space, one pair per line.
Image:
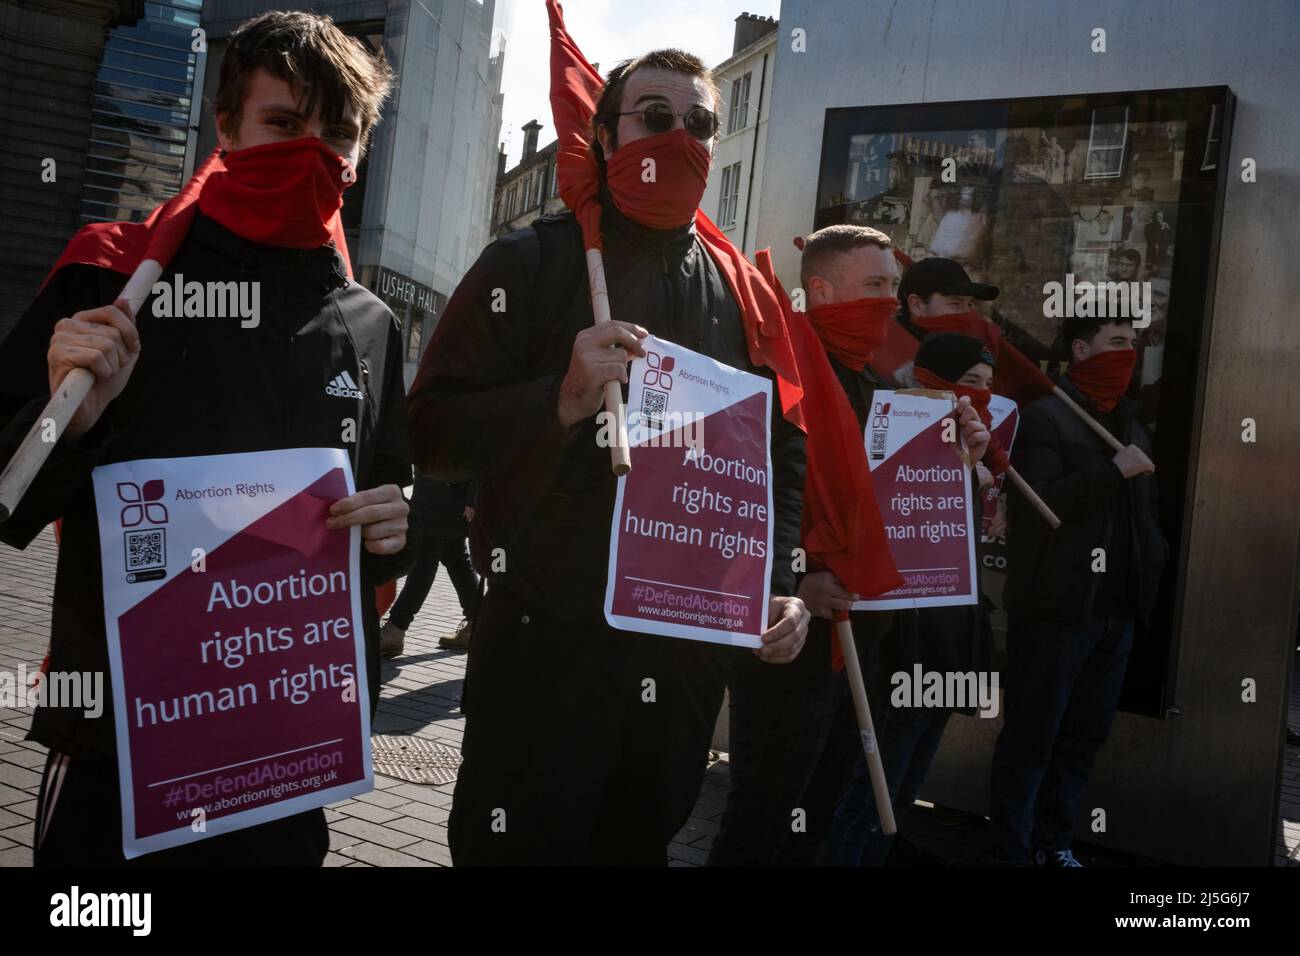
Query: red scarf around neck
x=279 y=194
x=1104 y=376
x=853 y=331
x=979 y=399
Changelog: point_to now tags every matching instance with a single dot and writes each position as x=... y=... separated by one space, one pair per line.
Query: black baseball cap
x=945 y=276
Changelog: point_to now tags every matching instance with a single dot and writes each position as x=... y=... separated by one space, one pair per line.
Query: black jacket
x=1049 y=573
x=957 y=638
x=484 y=405
x=202 y=386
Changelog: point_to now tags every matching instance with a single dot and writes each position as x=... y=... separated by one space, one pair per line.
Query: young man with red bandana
x=296 y=103
x=947 y=640
x=1074 y=595
x=793 y=731
x=566 y=759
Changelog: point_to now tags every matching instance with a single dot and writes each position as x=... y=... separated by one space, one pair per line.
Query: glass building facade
x=144 y=114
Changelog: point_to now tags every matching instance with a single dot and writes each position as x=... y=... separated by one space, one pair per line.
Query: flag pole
x=1088 y=420
x=1032 y=496
x=619 y=455
x=875 y=768
x=31 y=455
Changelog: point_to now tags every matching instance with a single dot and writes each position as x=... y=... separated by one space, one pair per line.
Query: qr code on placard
x=653 y=406
x=878 y=444
x=145 y=549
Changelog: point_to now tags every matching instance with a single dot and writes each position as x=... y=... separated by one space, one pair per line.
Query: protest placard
x=235 y=641
x=924 y=493
x=690 y=551
x=1005 y=419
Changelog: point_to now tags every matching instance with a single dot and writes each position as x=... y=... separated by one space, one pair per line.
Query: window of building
x=555 y=178
x=739 y=118
x=729 y=195
x=1065 y=203
x=1106 y=139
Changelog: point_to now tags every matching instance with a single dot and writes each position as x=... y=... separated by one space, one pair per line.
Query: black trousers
x=79 y=823
x=453 y=554
x=583 y=744
x=794 y=743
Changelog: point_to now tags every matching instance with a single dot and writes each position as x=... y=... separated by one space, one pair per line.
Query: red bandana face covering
x=680 y=173
x=852 y=331
x=279 y=194
x=979 y=397
x=1104 y=376
x=967 y=323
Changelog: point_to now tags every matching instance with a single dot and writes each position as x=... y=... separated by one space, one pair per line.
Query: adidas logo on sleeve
x=342 y=386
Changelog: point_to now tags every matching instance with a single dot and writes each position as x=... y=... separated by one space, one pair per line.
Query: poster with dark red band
x=924 y=491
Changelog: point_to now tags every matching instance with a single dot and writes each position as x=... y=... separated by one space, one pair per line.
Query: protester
x=1074 y=595
x=440 y=515
x=295 y=95
x=935 y=287
x=947 y=640
x=793 y=731
x=565 y=761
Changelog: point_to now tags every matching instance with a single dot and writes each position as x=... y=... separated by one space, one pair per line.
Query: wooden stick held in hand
x=1048 y=515
x=870 y=747
x=619 y=453
x=32 y=454
x=1088 y=420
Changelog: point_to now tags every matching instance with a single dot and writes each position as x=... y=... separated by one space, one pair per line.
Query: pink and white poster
x=1005 y=416
x=923 y=488
x=235 y=644
x=690 y=552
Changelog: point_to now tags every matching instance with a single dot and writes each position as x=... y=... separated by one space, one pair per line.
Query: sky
x=606 y=31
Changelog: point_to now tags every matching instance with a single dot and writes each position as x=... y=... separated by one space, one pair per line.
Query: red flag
x=122 y=246
x=575 y=88
x=1015 y=376
x=842 y=529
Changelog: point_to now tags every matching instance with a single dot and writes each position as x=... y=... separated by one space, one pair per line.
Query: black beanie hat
x=950 y=355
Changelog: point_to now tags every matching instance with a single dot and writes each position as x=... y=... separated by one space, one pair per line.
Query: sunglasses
x=700 y=123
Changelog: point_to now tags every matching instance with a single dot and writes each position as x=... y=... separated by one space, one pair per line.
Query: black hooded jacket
x=484 y=405
x=202 y=386
x=1050 y=573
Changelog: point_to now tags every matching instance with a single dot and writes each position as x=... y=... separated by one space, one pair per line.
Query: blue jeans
x=1063 y=688
x=908 y=739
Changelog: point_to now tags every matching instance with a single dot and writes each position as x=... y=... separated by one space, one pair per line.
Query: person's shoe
x=391 y=640
x=1292 y=737
x=1056 y=858
x=458 y=641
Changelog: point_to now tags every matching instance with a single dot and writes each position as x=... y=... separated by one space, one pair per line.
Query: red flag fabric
x=1014 y=376
x=842 y=530
x=122 y=246
x=575 y=88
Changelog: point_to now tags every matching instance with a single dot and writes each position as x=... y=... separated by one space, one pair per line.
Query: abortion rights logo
x=145 y=549
x=654 y=403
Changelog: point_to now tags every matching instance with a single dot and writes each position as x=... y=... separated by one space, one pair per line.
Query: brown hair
x=324 y=65
x=610 y=103
x=831 y=241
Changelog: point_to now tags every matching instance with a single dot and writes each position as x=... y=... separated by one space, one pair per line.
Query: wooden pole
x=31 y=455
x=876 y=769
x=1048 y=515
x=619 y=453
x=1088 y=420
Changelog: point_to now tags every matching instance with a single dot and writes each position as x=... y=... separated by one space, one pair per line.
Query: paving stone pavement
x=397 y=824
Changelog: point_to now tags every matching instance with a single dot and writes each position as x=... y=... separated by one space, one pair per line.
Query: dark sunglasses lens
x=701 y=123
x=658 y=118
